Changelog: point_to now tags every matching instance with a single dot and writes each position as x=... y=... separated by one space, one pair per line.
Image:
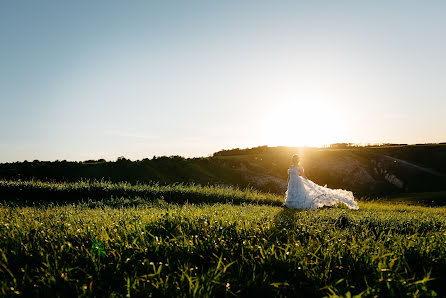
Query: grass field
x=145 y=240
x=433 y=199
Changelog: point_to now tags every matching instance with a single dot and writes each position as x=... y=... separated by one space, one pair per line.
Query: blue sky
x=100 y=79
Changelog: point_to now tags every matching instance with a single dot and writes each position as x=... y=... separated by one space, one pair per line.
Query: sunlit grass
x=34 y=191
x=101 y=248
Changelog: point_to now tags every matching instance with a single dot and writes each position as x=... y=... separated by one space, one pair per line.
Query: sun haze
x=85 y=80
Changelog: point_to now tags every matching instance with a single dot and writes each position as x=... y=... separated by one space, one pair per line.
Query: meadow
x=363 y=170
x=105 y=239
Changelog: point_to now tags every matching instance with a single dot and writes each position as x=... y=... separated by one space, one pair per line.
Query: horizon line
x=343 y=145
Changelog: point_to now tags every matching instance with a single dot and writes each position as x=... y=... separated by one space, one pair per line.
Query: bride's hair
x=295 y=159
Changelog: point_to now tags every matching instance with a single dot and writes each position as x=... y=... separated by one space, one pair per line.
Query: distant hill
x=367 y=171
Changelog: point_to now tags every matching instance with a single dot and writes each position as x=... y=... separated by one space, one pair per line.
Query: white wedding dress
x=304 y=194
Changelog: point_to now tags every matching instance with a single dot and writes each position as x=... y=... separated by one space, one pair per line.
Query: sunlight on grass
x=95 y=249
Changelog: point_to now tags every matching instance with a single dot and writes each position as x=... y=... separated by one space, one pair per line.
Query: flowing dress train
x=304 y=194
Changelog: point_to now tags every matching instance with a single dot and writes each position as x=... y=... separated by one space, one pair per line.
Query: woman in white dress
x=304 y=194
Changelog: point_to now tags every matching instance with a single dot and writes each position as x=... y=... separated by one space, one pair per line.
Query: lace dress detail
x=304 y=194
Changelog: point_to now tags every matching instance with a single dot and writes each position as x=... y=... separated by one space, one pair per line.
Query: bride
x=303 y=193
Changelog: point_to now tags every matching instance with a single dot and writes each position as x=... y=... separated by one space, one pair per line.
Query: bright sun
x=307 y=123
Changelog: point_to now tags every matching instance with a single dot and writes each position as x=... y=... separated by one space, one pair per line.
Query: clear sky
x=100 y=79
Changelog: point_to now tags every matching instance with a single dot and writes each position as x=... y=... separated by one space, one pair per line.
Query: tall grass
x=178 y=193
x=165 y=249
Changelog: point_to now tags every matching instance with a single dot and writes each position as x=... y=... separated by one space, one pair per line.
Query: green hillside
x=367 y=171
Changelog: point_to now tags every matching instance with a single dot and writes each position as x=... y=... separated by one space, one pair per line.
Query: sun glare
x=305 y=123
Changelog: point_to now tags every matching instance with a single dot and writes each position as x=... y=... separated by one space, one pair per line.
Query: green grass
x=437 y=198
x=33 y=191
x=110 y=248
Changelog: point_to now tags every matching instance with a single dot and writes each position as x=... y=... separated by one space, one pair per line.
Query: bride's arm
x=302 y=173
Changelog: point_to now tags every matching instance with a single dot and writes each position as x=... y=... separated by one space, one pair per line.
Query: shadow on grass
x=427 y=199
x=25 y=193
